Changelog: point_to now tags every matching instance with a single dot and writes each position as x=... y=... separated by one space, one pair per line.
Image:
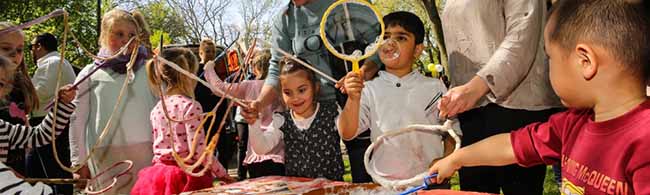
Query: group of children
x=599 y=66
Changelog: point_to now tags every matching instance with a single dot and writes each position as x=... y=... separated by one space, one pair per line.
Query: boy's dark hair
x=47 y=41
x=620 y=26
x=407 y=20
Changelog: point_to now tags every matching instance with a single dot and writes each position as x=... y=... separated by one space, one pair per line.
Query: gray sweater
x=297 y=31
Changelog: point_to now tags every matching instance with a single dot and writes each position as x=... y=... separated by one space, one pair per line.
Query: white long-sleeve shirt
x=390 y=103
x=249 y=90
x=44 y=79
x=264 y=138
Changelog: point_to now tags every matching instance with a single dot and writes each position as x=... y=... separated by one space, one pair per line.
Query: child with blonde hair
x=165 y=176
x=128 y=137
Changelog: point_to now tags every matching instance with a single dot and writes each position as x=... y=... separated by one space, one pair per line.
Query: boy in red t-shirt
x=599 y=53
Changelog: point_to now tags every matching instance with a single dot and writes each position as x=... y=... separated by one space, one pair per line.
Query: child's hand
x=67 y=93
x=209 y=65
x=445 y=168
x=83 y=173
x=340 y=84
x=354 y=84
x=251 y=114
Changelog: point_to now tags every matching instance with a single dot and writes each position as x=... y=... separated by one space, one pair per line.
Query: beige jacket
x=501 y=41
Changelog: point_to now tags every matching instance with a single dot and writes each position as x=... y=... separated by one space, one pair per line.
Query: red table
x=308 y=186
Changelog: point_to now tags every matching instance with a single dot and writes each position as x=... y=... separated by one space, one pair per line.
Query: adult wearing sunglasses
x=40 y=161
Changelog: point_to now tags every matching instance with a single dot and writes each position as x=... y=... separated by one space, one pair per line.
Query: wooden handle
x=55 y=180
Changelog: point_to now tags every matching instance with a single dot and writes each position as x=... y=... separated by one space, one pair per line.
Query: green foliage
x=155 y=38
x=161 y=17
x=431 y=52
x=82 y=21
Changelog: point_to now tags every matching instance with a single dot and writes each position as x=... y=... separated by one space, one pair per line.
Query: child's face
x=298 y=93
x=564 y=71
x=11 y=46
x=257 y=71
x=119 y=35
x=207 y=54
x=409 y=51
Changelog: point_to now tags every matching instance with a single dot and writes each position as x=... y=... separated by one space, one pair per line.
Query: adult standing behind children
x=500 y=82
x=129 y=136
x=44 y=51
x=603 y=140
x=296 y=30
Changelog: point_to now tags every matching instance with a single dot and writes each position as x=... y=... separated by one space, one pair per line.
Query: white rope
x=417 y=179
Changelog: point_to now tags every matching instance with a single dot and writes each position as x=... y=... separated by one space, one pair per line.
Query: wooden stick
x=56 y=180
x=287 y=54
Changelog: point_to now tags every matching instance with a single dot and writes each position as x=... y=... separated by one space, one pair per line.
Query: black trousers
x=483 y=122
x=242 y=130
x=40 y=161
x=356 y=149
x=265 y=168
x=226 y=147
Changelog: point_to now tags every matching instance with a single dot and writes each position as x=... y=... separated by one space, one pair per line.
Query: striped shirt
x=10 y=184
x=19 y=136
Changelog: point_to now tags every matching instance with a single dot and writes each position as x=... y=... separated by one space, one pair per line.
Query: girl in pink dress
x=165 y=176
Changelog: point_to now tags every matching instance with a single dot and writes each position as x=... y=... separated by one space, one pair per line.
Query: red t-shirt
x=610 y=157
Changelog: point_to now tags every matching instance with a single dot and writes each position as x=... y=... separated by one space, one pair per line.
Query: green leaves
x=82 y=20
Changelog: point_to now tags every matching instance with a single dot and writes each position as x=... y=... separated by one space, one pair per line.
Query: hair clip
x=287 y=67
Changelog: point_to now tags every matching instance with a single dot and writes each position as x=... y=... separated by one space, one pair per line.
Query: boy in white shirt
x=398 y=97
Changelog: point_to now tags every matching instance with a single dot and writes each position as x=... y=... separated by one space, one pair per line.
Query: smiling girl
x=307 y=129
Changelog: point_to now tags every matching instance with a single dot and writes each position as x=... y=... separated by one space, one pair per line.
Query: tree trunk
x=432 y=10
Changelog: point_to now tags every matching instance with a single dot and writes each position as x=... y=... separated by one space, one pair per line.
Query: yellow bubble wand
x=357 y=55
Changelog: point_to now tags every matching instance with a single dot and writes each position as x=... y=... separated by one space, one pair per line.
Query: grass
x=550 y=187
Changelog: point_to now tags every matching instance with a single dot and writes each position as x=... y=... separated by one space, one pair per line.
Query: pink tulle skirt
x=163 y=179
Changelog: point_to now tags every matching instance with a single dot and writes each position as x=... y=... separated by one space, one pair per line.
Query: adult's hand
x=462 y=98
